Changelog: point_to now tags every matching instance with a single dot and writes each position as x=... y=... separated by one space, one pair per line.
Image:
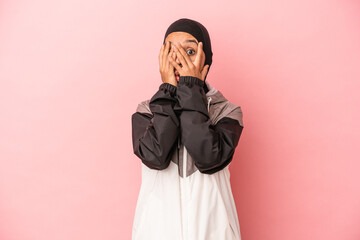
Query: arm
x=154 y=134
x=211 y=146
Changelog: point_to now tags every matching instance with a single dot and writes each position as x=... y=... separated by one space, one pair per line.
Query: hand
x=196 y=69
x=165 y=68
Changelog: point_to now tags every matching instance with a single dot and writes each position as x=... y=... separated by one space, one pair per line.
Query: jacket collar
x=215 y=95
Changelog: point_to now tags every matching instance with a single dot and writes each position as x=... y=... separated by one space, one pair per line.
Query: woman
x=185 y=136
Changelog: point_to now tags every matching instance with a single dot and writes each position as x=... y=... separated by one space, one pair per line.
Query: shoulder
x=236 y=113
x=231 y=110
x=143 y=107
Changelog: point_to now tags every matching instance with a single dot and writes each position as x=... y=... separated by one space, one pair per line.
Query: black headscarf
x=197 y=30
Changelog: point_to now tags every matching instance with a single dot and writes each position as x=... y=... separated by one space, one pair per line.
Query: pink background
x=73 y=72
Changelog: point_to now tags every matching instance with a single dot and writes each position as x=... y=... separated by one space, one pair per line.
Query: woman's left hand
x=188 y=67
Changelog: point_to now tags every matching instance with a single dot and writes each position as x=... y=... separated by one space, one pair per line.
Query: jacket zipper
x=184 y=200
x=185 y=179
x=184 y=161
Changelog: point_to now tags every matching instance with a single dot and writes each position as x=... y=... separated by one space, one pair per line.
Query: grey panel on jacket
x=211 y=134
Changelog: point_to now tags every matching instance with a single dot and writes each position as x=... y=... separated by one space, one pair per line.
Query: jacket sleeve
x=154 y=133
x=211 y=146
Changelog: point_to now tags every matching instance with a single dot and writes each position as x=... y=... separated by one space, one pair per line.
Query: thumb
x=204 y=71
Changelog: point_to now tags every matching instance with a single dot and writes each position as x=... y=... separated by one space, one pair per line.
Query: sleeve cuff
x=190 y=80
x=171 y=88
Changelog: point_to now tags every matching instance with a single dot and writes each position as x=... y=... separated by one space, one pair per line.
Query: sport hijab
x=198 y=31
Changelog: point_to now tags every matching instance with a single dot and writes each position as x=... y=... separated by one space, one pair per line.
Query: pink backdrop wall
x=73 y=72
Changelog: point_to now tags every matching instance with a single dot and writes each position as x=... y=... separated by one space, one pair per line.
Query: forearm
x=211 y=146
x=154 y=135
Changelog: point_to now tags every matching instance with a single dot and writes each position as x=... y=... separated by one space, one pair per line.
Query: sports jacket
x=186 y=139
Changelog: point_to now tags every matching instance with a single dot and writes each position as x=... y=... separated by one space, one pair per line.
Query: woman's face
x=188 y=42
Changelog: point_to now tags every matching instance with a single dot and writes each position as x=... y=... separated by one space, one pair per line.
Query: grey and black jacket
x=186 y=139
x=182 y=113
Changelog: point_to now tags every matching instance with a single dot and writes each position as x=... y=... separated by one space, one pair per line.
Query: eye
x=189 y=50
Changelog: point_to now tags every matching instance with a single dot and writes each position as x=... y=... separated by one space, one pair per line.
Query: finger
x=180 y=54
x=166 y=51
x=161 y=54
x=173 y=56
x=174 y=64
x=204 y=71
x=199 y=54
x=168 y=64
x=183 y=53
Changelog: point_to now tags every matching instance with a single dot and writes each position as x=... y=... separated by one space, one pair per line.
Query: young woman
x=186 y=136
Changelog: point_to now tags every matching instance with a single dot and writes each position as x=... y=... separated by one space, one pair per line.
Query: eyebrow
x=188 y=40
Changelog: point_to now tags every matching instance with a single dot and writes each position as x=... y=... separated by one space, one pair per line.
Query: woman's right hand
x=166 y=68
